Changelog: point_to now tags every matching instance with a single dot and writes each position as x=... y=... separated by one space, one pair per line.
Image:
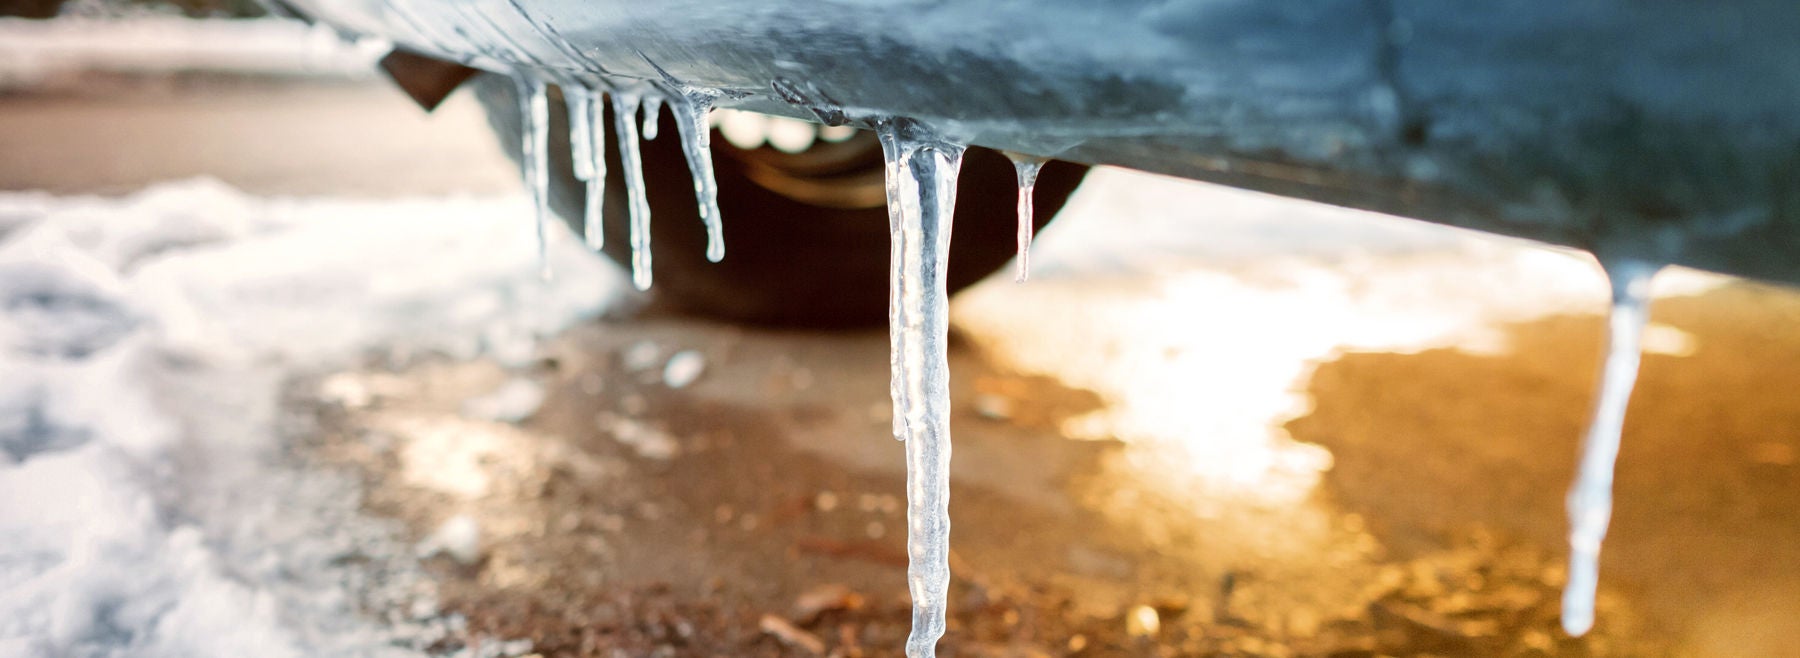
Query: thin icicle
x=696 y=143
x=534 y=157
x=652 y=114
x=1590 y=499
x=580 y=103
x=625 y=111
x=921 y=178
x=1027 y=167
x=593 y=220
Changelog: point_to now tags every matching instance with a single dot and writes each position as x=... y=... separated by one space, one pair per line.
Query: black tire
x=787 y=263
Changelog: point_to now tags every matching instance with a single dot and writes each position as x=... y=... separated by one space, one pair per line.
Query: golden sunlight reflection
x=1203 y=358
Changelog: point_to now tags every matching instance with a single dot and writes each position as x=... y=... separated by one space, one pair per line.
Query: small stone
x=820 y=599
x=1143 y=623
x=648 y=441
x=1077 y=642
x=993 y=407
x=642 y=355
x=791 y=635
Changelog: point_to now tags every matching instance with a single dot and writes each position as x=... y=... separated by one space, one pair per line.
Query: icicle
x=652 y=113
x=625 y=111
x=534 y=156
x=1590 y=499
x=1027 y=167
x=696 y=143
x=580 y=103
x=921 y=185
x=593 y=226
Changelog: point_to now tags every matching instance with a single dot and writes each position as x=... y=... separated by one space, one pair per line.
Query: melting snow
x=146 y=501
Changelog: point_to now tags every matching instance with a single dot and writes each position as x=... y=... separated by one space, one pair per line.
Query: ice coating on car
x=921 y=190
x=625 y=111
x=1590 y=499
x=690 y=112
x=534 y=157
x=1027 y=168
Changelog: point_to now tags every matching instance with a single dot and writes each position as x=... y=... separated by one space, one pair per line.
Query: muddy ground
x=759 y=511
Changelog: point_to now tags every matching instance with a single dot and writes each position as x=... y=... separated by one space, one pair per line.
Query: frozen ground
x=149 y=491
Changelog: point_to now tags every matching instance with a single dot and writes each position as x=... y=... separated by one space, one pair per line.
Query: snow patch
x=459 y=537
x=147 y=502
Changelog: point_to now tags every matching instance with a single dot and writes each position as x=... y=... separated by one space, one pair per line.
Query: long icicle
x=696 y=143
x=534 y=157
x=1590 y=499
x=580 y=102
x=625 y=111
x=1027 y=168
x=593 y=223
x=921 y=170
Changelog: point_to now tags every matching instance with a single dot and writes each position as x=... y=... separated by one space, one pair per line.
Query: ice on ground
x=684 y=368
x=648 y=441
x=514 y=401
x=459 y=537
x=641 y=356
x=148 y=504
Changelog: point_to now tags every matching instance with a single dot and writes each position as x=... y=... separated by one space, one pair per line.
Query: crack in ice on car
x=1590 y=498
x=1027 y=168
x=921 y=189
